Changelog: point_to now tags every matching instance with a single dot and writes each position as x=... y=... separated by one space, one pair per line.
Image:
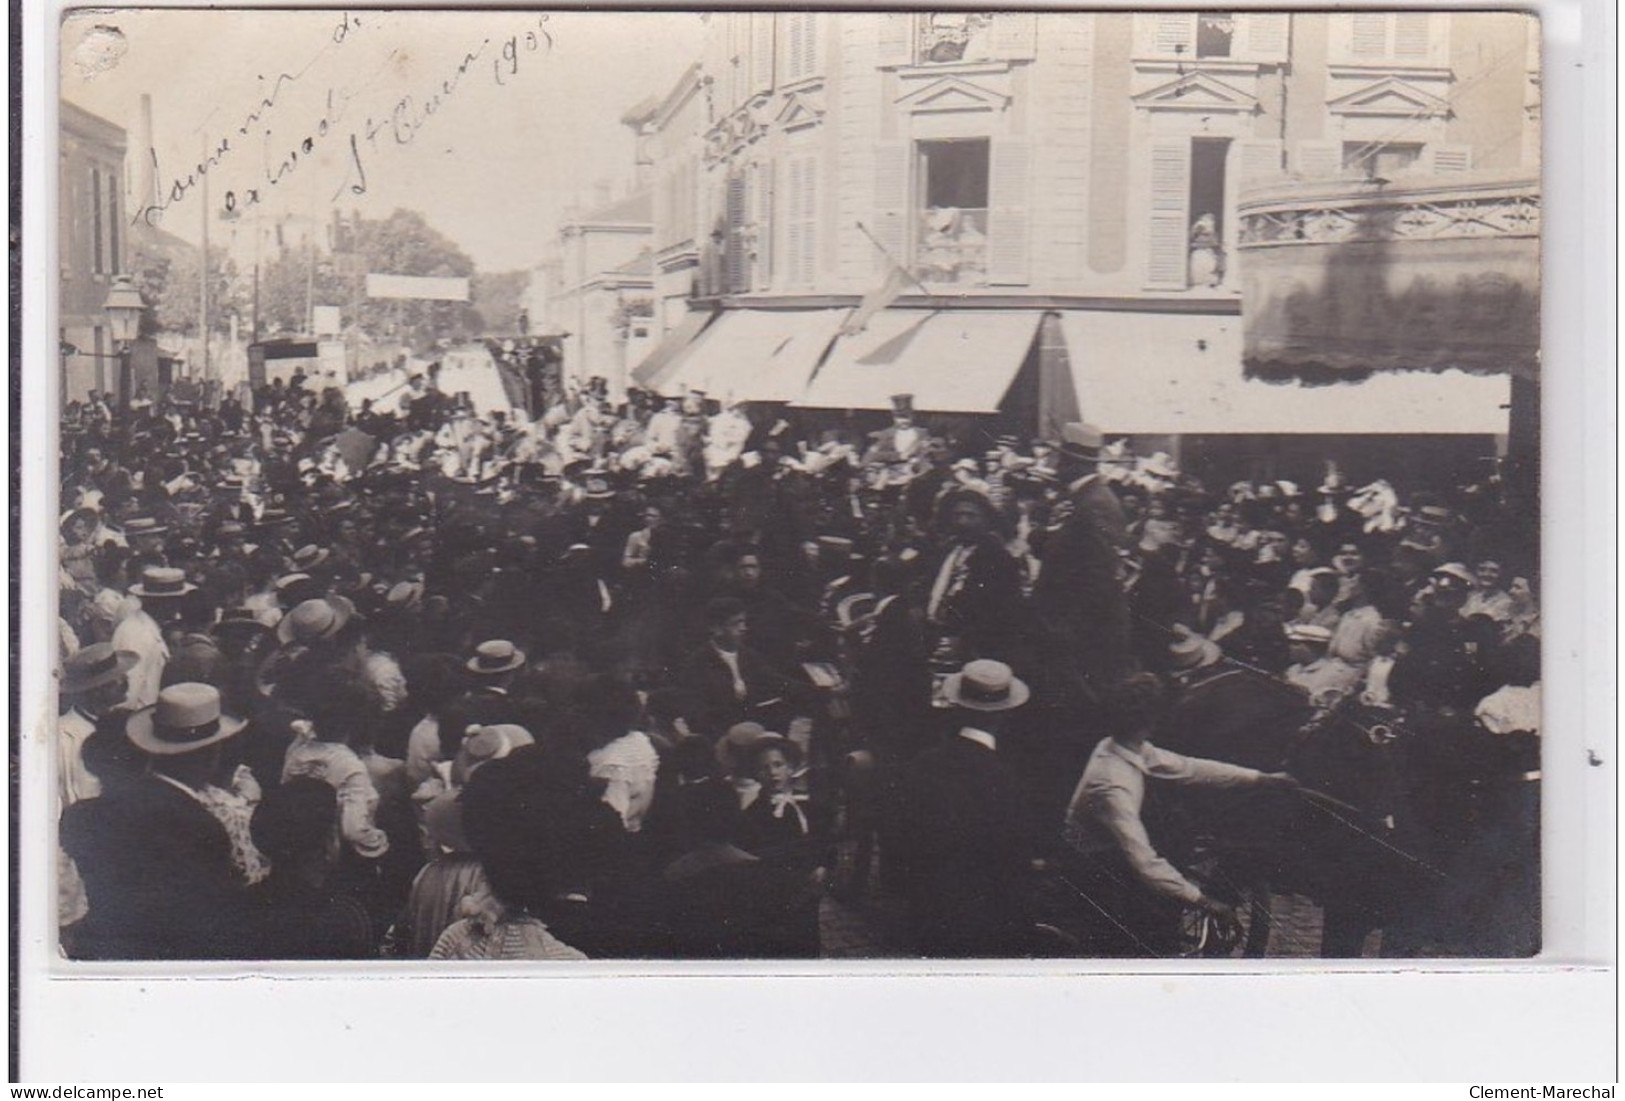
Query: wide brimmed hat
x=315 y=620
x=186 y=717
x=1193 y=651
x=495 y=657
x=598 y=487
x=230 y=529
x=94 y=666
x=162 y=581
x=240 y=620
x=483 y=744
x=1456 y=573
x=1081 y=441
x=769 y=740
x=404 y=594
x=1310 y=633
x=985 y=685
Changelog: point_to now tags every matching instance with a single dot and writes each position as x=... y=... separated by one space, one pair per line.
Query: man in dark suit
x=156 y=862
x=1079 y=600
x=727 y=682
x=964 y=842
x=974 y=601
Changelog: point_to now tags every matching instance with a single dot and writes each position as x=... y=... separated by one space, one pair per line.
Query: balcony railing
x=1335 y=212
x=952 y=246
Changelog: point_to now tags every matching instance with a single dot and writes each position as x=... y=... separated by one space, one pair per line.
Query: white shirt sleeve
x=1114 y=809
x=1178 y=769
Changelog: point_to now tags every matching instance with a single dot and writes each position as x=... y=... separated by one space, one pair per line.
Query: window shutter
x=761 y=52
x=1317 y=160
x=1264 y=36
x=1258 y=160
x=1446 y=159
x=1368 y=34
x=734 y=260
x=763 y=218
x=809 y=45
x=96 y=220
x=1411 y=34
x=894 y=36
x=1014 y=35
x=891 y=205
x=113 y=264
x=794 y=35
x=1009 y=224
x=1173 y=33
x=1168 y=250
x=804 y=218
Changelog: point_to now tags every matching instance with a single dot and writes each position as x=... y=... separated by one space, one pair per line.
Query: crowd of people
x=652 y=677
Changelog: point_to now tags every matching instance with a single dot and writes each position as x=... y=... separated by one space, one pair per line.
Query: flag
x=890 y=289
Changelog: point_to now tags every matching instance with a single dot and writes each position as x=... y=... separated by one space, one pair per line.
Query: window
x=1215 y=33
x=952 y=210
x=801 y=46
x=1186 y=231
x=113 y=264
x=96 y=221
x=801 y=219
x=1380 y=160
x=1391 y=36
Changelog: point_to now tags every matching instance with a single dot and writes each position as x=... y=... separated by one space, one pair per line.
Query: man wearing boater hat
x=964 y=840
x=94 y=683
x=156 y=862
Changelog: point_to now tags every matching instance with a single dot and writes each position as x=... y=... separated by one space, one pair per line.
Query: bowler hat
x=187 y=716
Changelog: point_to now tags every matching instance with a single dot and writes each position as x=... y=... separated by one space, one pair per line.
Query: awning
x=1150 y=374
x=653 y=370
x=952 y=361
x=753 y=355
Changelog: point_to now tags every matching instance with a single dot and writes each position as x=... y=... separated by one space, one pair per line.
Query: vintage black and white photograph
x=797 y=485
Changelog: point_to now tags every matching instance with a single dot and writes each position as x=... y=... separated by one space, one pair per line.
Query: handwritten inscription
x=499 y=60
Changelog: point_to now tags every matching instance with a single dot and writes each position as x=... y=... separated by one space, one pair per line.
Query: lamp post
x=124 y=308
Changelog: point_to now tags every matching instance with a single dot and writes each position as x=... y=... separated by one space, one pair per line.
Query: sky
x=492 y=123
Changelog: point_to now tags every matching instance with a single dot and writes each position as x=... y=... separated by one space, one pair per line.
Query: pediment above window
x=1197 y=92
x=800 y=109
x=1390 y=96
x=954 y=94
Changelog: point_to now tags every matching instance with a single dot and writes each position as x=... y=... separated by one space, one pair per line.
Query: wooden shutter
x=794 y=33
x=1009 y=223
x=1015 y=35
x=1368 y=34
x=811 y=55
x=734 y=259
x=1263 y=36
x=1168 y=234
x=761 y=52
x=894 y=36
x=96 y=220
x=1258 y=161
x=891 y=205
x=1411 y=35
x=113 y=264
x=762 y=188
x=804 y=220
x=1446 y=159
x=1317 y=160
x=1173 y=33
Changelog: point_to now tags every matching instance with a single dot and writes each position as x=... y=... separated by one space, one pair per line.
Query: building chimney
x=140 y=179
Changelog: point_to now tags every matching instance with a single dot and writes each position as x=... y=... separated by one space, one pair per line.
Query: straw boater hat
x=985 y=686
x=308 y=557
x=144 y=525
x=598 y=488
x=733 y=748
x=94 y=666
x=162 y=581
x=315 y=620
x=186 y=717
x=1193 y=651
x=495 y=657
x=1081 y=441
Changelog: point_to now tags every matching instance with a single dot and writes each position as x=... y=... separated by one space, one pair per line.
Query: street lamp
x=124 y=308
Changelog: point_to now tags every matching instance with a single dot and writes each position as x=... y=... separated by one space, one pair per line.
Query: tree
x=168 y=279
x=498 y=298
x=298 y=278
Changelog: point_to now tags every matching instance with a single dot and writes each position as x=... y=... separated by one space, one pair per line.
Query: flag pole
x=887 y=254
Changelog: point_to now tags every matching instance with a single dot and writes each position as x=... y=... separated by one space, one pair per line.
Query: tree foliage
x=498 y=298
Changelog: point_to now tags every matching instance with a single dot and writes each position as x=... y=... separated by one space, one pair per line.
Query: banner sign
x=428 y=288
